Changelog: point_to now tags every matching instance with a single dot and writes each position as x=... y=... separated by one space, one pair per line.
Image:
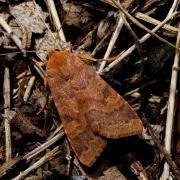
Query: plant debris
x=133 y=45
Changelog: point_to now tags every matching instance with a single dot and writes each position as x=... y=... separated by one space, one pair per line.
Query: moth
x=90 y=110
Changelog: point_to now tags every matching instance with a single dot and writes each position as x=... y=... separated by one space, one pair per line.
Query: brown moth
x=89 y=108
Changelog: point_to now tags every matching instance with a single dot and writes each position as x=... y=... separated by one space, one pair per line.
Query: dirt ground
x=89 y=89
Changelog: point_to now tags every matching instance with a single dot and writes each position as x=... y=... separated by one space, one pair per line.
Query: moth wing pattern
x=89 y=108
x=86 y=145
x=107 y=113
x=116 y=118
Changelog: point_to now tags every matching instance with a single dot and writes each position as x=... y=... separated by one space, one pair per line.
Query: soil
x=29 y=118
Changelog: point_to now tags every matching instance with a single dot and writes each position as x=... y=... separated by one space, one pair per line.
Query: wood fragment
x=171 y=105
x=47 y=157
x=8 y=165
x=156 y=22
x=6 y=92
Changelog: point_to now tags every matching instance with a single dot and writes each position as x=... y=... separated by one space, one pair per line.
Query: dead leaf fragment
x=23 y=123
x=29 y=16
x=49 y=41
x=76 y=15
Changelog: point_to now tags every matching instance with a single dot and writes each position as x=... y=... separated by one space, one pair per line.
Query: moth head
x=59 y=63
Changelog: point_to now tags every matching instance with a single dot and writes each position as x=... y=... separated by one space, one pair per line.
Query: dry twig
x=171 y=104
x=136 y=22
x=8 y=165
x=173 y=8
x=47 y=157
x=133 y=47
x=161 y=148
x=55 y=17
x=8 y=29
x=6 y=92
x=153 y=21
x=100 y=44
x=112 y=42
x=29 y=88
x=44 y=146
x=136 y=40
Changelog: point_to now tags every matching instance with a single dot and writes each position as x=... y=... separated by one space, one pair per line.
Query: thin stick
x=161 y=148
x=44 y=146
x=153 y=21
x=112 y=42
x=173 y=8
x=6 y=92
x=68 y=157
x=136 y=40
x=8 y=29
x=55 y=17
x=38 y=68
x=169 y=119
x=137 y=23
x=171 y=104
x=133 y=47
x=101 y=42
x=29 y=88
x=140 y=88
x=42 y=19
x=47 y=157
x=58 y=130
x=4 y=168
x=51 y=140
